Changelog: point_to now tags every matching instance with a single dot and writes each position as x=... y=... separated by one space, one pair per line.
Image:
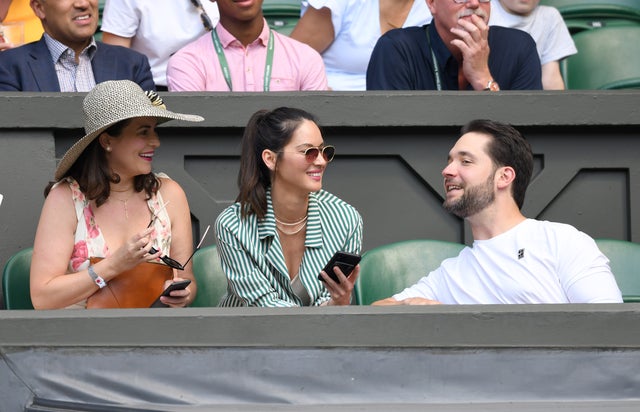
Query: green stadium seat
x=624 y=260
x=15 y=281
x=592 y=14
x=390 y=268
x=281 y=15
x=608 y=58
x=210 y=278
x=596 y=8
x=579 y=24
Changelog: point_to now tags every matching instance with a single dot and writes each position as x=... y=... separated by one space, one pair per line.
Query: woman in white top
x=345 y=32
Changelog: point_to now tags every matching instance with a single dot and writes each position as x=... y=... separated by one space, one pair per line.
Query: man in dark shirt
x=457 y=51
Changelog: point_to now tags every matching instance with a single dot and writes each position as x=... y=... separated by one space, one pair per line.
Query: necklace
x=290 y=224
x=302 y=224
x=124 y=203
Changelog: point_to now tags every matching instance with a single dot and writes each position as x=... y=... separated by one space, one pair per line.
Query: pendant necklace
x=124 y=203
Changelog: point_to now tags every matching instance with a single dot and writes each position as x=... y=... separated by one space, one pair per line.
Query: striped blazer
x=252 y=258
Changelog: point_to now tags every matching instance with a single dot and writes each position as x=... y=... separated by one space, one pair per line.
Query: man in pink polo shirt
x=243 y=54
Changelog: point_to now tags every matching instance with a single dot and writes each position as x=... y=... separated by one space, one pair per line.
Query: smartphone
x=179 y=285
x=345 y=261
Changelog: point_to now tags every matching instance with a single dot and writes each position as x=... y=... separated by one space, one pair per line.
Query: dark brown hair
x=507 y=148
x=265 y=130
x=94 y=176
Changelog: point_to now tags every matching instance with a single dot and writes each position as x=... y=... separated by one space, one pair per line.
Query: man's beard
x=473 y=200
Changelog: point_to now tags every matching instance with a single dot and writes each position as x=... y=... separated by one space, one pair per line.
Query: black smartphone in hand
x=345 y=261
x=179 y=285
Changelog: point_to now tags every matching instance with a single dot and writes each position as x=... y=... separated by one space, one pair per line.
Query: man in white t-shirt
x=513 y=259
x=548 y=29
x=157 y=28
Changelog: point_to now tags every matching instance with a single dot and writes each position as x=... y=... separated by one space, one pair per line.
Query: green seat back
x=281 y=15
x=15 y=281
x=593 y=14
x=624 y=260
x=626 y=9
x=576 y=25
x=608 y=58
x=390 y=268
x=210 y=278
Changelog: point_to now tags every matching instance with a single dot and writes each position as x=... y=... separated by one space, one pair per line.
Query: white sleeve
x=338 y=9
x=558 y=43
x=121 y=17
x=584 y=271
x=425 y=288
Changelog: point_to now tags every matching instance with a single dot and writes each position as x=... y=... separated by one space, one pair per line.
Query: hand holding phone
x=179 y=285
x=345 y=261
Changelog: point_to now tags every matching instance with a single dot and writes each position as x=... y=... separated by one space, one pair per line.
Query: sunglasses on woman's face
x=311 y=153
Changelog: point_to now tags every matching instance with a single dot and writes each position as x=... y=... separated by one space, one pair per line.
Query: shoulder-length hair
x=93 y=174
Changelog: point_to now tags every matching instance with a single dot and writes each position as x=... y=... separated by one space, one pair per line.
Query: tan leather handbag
x=135 y=288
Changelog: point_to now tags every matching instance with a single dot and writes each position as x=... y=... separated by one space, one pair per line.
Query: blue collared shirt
x=73 y=76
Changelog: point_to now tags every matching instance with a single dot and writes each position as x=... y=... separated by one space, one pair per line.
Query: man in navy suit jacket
x=31 y=67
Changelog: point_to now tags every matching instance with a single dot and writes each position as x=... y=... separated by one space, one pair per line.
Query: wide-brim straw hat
x=111 y=102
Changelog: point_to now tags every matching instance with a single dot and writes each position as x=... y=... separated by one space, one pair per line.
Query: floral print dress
x=89 y=241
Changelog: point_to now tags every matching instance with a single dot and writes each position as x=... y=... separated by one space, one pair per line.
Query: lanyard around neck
x=225 y=66
x=436 y=68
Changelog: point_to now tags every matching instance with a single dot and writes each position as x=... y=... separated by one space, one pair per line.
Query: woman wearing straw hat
x=107 y=214
x=283 y=229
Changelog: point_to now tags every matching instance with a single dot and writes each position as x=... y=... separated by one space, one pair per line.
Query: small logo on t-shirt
x=520 y=253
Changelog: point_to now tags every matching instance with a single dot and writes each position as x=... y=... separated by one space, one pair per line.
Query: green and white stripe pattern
x=252 y=257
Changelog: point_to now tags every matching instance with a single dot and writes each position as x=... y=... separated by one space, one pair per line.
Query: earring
x=108 y=149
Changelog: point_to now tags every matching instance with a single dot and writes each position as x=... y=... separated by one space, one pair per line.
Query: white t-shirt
x=544 y=24
x=534 y=262
x=356 y=25
x=157 y=28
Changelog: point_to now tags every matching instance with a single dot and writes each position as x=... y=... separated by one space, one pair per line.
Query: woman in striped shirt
x=283 y=228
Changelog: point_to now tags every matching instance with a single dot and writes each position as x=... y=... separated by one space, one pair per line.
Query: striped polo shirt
x=252 y=258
